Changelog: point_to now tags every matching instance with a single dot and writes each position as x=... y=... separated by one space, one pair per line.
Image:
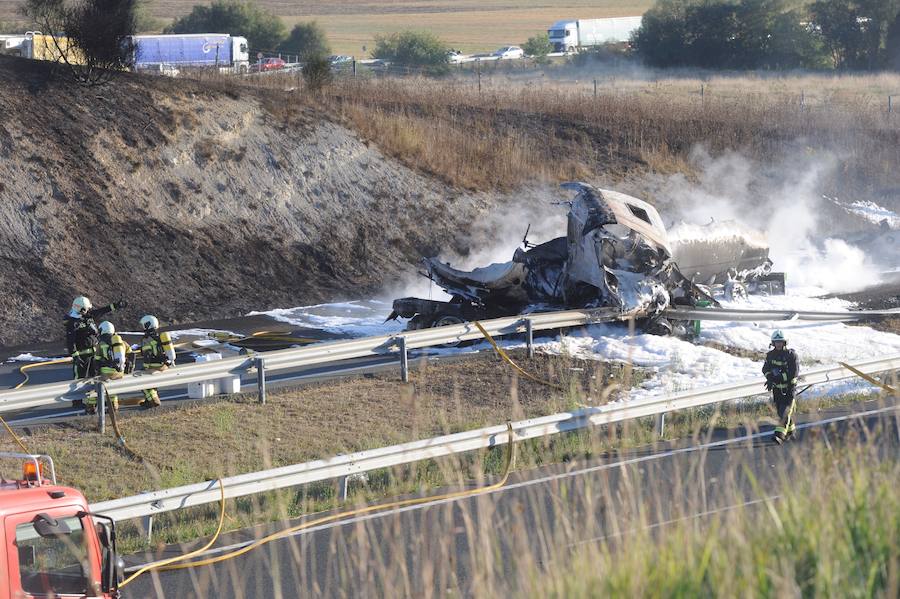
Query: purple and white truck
x=166 y=53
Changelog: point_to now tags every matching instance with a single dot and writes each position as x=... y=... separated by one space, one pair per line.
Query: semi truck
x=574 y=35
x=38 y=46
x=191 y=50
x=54 y=545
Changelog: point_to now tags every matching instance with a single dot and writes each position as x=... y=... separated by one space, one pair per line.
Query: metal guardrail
x=728 y=314
x=157 y=502
x=319 y=353
x=336 y=351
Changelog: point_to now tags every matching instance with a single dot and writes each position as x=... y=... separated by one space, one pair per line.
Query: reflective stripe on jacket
x=111 y=352
x=157 y=349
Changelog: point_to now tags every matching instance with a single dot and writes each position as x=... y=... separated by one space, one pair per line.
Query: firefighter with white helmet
x=158 y=353
x=82 y=335
x=781 y=369
x=111 y=357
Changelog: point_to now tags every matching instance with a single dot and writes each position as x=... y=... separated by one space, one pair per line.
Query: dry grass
x=511 y=133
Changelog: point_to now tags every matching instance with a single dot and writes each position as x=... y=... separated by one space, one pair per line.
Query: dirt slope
x=192 y=202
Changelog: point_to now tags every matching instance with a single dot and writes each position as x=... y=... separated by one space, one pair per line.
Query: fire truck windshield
x=54 y=564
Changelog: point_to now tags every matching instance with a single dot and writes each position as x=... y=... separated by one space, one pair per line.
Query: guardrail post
x=529 y=337
x=148 y=526
x=343 y=487
x=261 y=379
x=101 y=407
x=660 y=427
x=404 y=359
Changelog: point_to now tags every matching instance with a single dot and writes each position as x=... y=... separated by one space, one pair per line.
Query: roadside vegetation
x=832 y=529
x=196 y=442
x=503 y=132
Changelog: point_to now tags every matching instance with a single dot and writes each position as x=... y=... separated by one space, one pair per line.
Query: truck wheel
x=447 y=320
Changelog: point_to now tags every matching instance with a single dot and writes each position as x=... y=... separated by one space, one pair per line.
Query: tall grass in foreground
x=819 y=517
x=832 y=531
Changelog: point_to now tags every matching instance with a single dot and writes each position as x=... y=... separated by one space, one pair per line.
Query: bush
x=307 y=40
x=317 y=72
x=538 y=47
x=11 y=27
x=414 y=49
x=263 y=30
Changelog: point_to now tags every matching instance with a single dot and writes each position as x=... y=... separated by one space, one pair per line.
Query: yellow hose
x=510 y=459
x=509 y=360
x=172 y=560
x=14 y=436
x=26 y=367
x=868 y=378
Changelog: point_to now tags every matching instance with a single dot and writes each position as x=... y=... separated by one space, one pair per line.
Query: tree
x=263 y=30
x=855 y=31
x=415 y=49
x=734 y=34
x=307 y=40
x=662 y=37
x=144 y=21
x=892 y=45
x=90 y=37
x=538 y=47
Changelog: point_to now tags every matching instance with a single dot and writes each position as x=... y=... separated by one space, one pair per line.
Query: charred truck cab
x=53 y=545
x=615 y=254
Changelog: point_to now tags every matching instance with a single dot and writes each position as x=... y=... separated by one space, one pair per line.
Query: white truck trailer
x=574 y=35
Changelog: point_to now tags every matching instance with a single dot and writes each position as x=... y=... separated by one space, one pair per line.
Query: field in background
x=468 y=25
x=504 y=129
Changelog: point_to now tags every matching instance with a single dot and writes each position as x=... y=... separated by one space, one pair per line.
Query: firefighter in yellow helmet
x=158 y=353
x=111 y=357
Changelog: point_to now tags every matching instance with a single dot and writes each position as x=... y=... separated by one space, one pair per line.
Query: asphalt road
x=444 y=547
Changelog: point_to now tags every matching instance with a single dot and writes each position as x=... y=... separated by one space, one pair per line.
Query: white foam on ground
x=679 y=365
x=355 y=318
x=871 y=212
x=30 y=358
x=675 y=364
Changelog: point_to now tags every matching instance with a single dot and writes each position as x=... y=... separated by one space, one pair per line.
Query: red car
x=268 y=64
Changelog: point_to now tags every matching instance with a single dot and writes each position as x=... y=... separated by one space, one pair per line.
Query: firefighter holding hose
x=781 y=369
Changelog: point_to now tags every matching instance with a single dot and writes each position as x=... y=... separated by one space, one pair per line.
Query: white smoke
x=785 y=203
x=495 y=236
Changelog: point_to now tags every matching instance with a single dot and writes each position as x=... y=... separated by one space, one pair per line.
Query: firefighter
x=158 y=353
x=82 y=334
x=781 y=369
x=111 y=357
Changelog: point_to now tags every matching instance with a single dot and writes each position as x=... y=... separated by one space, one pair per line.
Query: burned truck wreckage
x=616 y=254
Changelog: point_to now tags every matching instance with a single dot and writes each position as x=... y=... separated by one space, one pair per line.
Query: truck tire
x=446 y=320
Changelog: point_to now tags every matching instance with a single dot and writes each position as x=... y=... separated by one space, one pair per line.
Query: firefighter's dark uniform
x=81 y=342
x=158 y=353
x=81 y=339
x=781 y=369
x=110 y=357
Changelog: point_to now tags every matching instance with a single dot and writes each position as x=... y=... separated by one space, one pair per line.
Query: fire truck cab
x=52 y=545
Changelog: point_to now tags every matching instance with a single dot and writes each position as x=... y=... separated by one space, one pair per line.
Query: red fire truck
x=52 y=545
